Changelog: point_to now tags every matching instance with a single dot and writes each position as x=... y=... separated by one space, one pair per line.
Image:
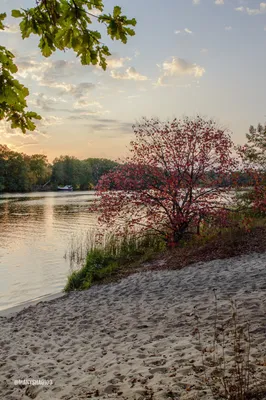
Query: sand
x=132 y=339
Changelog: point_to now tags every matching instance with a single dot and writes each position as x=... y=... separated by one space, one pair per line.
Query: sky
x=188 y=57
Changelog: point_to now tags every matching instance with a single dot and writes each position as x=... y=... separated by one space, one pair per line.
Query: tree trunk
x=179 y=232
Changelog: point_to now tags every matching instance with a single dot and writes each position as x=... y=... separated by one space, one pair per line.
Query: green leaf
x=117 y=11
x=2 y=17
x=46 y=50
x=17 y=14
x=132 y=22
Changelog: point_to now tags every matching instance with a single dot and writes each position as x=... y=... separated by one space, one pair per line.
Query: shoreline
x=6 y=313
x=132 y=339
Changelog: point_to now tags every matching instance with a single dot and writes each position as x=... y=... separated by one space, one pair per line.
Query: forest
x=20 y=172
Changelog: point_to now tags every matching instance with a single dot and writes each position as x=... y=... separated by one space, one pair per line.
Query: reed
x=96 y=258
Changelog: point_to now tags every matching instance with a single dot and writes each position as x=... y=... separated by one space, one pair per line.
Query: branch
x=87 y=12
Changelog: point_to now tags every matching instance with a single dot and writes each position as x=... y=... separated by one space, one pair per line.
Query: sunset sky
x=188 y=57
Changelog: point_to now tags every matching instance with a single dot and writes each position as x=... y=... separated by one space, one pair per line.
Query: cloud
x=49 y=73
x=7 y=132
x=204 y=51
x=116 y=62
x=219 y=2
x=196 y=2
x=134 y=96
x=33 y=69
x=84 y=103
x=79 y=90
x=86 y=109
x=82 y=108
x=88 y=114
x=60 y=69
x=228 y=28
x=96 y=12
x=46 y=103
x=129 y=74
x=14 y=28
x=104 y=124
x=178 y=67
x=51 y=120
x=253 y=11
x=82 y=116
x=186 y=31
x=65 y=87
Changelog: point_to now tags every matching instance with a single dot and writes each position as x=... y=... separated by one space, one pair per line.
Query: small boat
x=67 y=188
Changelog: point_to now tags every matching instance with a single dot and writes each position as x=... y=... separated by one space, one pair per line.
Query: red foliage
x=171 y=181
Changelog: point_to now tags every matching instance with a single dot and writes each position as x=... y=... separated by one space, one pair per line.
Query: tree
x=253 y=155
x=66 y=171
x=99 y=167
x=165 y=185
x=40 y=168
x=255 y=150
x=85 y=181
x=81 y=174
x=61 y=25
x=20 y=172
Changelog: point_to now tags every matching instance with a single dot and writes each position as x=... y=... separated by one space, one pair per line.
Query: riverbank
x=217 y=245
x=132 y=339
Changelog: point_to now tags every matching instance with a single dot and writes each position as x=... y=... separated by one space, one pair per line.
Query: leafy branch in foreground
x=61 y=25
x=12 y=93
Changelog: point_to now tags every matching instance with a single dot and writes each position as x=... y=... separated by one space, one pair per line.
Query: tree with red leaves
x=171 y=181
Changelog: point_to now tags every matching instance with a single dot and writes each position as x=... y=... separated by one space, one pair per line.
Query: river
x=35 y=232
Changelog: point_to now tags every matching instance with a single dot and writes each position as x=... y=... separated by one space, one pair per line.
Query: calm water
x=35 y=231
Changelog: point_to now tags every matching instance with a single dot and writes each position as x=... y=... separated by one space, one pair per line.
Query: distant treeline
x=20 y=172
x=81 y=174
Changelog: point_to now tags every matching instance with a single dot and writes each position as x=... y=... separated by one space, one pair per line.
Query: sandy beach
x=132 y=339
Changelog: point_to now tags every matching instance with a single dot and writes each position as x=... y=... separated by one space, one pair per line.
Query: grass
x=108 y=258
x=113 y=258
x=226 y=363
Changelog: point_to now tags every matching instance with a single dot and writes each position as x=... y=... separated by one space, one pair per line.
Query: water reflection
x=34 y=233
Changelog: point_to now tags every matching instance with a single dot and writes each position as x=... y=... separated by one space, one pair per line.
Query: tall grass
x=106 y=256
x=80 y=244
x=226 y=362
